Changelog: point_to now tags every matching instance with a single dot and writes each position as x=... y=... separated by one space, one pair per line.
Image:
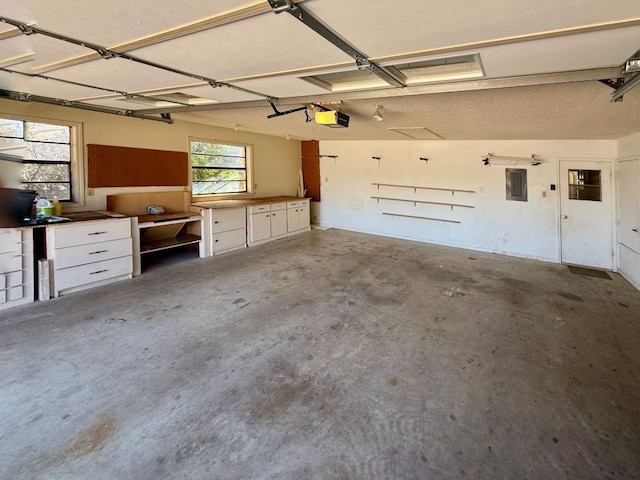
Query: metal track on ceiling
x=28 y=97
x=301 y=13
x=106 y=53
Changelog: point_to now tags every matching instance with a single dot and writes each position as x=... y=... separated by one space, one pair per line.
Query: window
x=218 y=168
x=585 y=185
x=516 y=181
x=47 y=152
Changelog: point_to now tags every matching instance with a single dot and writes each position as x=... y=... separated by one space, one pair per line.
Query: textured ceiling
x=541 y=62
x=562 y=111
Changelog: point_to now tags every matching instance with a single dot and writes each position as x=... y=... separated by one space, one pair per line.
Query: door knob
x=564 y=217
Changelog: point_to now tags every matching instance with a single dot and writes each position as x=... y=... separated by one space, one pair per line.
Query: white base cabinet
x=259 y=224
x=87 y=254
x=224 y=230
x=271 y=221
x=16 y=267
x=298 y=216
x=278 y=220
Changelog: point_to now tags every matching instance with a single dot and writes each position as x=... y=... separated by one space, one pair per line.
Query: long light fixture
x=490 y=159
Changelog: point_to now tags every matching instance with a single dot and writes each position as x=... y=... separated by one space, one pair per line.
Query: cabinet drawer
x=94 y=272
x=93 y=252
x=292 y=204
x=231 y=219
x=303 y=203
x=278 y=206
x=259 y=208
x=91 y=232
x=231 y=239
x=10 y=241
x=10 y=262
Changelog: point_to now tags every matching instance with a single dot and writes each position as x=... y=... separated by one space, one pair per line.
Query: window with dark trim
x=218 y=168
x=47 y=156
x=585 y=185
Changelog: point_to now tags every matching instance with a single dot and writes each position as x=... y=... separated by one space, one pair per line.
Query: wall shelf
x=419 y=217
x=422 y=201
x=418 y=187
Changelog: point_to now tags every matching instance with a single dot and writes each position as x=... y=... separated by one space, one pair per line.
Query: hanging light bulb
x=377 y=115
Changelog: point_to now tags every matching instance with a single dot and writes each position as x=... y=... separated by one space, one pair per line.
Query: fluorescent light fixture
x=174 y=99
x=411 y=73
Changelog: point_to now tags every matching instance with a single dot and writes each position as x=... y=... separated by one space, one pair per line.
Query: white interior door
x=629 y=198
x=586 y=213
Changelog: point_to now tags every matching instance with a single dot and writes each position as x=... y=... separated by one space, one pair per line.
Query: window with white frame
x=48 y=155
x=219 y=168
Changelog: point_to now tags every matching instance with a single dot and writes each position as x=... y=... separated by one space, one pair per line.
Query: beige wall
x=276 y=161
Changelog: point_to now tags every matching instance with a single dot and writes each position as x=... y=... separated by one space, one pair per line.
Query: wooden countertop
x=244 y=202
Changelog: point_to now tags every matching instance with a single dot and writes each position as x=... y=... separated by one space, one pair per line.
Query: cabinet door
x=259 y=227
x=304 y=219
x=278 y=223
x=223 y=220
x=293 y=222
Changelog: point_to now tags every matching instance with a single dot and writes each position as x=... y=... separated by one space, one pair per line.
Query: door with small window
x=586 y=223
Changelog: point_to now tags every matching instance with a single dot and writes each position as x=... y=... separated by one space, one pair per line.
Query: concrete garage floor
x=330 y=355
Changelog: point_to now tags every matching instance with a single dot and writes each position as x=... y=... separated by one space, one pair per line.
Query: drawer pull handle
x=97 y=233
x=99 y=271
x=216 y=221
x=98 y=251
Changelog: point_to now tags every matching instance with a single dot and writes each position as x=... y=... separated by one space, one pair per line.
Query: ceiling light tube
x=488 y=159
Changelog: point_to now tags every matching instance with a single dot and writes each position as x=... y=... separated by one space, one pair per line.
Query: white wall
x=276 y=161
x=527 y=229
x=629 y=147
x=629 y=260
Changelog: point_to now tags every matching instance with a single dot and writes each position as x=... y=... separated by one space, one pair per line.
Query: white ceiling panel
x=120 y=74
x=576 y=52
x=45 y=88
x=46 y=49
x=380 y=28
x=115 y=21
x=276 y=43
x=281 y=87
x=220 y=94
